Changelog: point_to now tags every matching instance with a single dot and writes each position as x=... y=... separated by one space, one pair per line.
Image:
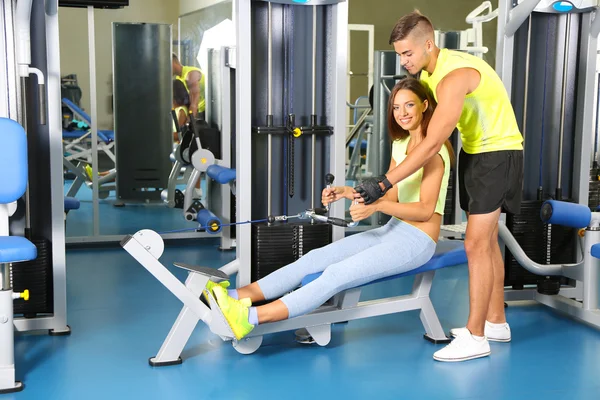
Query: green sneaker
x=209 y=288
x=235 y=312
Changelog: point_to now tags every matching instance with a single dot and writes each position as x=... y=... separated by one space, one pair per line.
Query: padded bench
x=448 y=253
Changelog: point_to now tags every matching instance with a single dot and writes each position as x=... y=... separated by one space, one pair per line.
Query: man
x=194 y=81
x=472 y=98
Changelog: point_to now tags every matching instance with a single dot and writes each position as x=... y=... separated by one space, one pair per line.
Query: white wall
x=188 y=6
x=73 y=30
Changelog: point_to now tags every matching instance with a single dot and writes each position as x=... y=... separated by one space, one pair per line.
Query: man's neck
x=433 y=62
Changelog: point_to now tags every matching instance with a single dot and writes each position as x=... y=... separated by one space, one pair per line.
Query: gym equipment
x=27 y=28
x=568 y=64
x=469 y=40
x=142 y=88
x=146 y=246
x=77 y=142
x=13 y=249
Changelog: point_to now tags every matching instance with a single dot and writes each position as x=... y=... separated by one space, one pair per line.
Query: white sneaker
x=493 y=334
x=464 y=347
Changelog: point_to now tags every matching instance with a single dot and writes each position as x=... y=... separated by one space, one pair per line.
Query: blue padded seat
x=363 y=144
x=448 y=253
x=71 y=203
x=221 y=174
x=104 y=135
x=595 y=251
x=15 y=249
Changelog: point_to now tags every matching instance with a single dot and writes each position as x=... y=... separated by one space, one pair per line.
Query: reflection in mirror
x=139 y=174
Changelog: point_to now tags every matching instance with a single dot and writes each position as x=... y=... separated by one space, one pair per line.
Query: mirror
x=135 y=126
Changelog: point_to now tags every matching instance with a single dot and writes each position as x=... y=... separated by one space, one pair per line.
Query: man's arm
x=451 y=92
x=193 y=84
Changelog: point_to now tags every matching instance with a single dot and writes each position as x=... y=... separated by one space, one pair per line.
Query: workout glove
x=370 y=190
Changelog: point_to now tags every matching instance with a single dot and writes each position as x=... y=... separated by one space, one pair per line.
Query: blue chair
x=13 y=182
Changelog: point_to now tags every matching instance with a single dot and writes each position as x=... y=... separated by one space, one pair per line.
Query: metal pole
x=313 y=115
x=527 y=58
x=94 y=116
x=562 y=108
x=269 y=107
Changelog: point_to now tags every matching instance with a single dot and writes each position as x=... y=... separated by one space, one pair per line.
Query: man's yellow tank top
x=409 y=189
x=184 y=73
x=488 y=121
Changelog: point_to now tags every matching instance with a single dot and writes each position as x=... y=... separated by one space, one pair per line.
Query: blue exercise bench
x=77 y=143
x=13 y=249
x=147 y=246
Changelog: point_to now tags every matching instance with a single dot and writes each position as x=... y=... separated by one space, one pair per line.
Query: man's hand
x=372 y=189
x=359 y=211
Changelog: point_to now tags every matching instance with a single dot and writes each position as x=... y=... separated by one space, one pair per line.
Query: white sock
x=496 y=326
x=478 y=338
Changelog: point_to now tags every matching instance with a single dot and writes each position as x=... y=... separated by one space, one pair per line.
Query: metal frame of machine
x=580 y=300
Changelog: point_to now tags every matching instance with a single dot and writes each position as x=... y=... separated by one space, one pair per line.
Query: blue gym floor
x=119 y=315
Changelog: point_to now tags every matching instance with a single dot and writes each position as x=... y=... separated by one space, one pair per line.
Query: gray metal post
x=243 y=136
x=584 y=124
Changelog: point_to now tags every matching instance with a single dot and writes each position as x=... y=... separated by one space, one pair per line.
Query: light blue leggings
x=358 y=259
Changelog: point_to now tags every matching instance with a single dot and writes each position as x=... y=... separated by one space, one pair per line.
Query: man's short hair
x=413 y=23
x=175 y=57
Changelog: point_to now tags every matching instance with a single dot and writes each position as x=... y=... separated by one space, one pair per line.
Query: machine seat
x=71 y=203
x=221 y=174
x=448 y=253
x=15 y=249
x=595 y=251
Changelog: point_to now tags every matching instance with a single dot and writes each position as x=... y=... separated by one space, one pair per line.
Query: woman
x=406 y=242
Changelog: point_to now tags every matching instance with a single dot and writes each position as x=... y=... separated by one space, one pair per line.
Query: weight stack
x=594 y=191
x=36 y=276
x=449 y=208
x=531 y=234
x=281 y=244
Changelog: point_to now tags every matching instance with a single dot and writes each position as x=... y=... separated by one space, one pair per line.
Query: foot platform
x=206 y=271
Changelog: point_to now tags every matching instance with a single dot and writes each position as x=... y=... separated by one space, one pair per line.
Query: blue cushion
x=448 y=253
x=363 y=144
x=71 y=203
x=595 y=251
x=15 y=249
x=13 y=161
x=105 y=136
x=221 y=174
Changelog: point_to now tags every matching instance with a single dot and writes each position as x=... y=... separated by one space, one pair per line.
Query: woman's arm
x=421 y=211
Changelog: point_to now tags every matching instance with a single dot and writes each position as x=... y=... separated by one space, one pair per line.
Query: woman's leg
x=403 y=249
x=289 y=277
x=400 y=249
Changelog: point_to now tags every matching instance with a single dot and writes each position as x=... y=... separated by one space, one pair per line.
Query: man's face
x=413 y=54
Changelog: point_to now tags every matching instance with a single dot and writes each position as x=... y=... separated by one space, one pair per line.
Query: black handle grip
x=337 y=221
x=320 y=211
x=329 y=179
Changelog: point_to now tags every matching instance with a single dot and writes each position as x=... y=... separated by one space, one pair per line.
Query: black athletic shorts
x=488 y=181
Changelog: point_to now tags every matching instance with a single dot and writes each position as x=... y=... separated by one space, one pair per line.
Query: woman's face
x=408 y=109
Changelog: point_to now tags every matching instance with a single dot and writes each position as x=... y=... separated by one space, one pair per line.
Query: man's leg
x=480 y=230
x=495 y=313
x=471 y=343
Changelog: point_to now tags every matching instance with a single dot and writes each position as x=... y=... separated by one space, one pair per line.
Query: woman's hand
x=360 y=211
x=333 y=194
